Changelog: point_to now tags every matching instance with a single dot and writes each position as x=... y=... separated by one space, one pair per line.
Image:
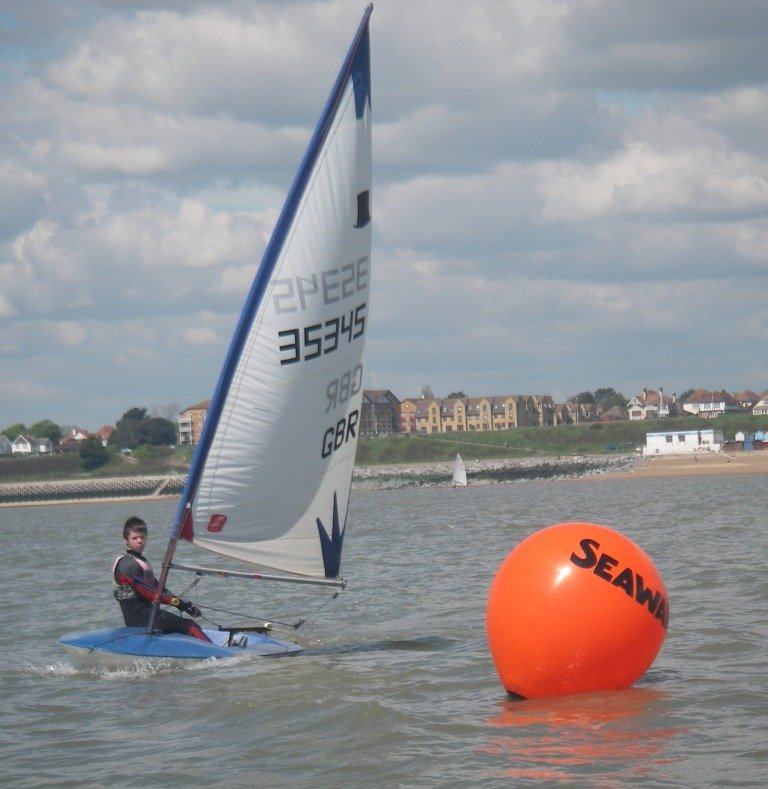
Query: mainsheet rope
x=293 y=626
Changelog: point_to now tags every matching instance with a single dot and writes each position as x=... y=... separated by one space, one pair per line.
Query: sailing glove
x=189 y=608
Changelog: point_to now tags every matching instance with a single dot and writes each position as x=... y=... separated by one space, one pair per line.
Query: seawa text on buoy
x=575 y=607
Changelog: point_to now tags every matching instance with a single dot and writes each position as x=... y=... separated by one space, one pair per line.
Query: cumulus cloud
x=566 y=195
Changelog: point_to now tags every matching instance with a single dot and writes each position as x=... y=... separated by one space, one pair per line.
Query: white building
x=683 y=441
x=761 y=407
x=30 y=445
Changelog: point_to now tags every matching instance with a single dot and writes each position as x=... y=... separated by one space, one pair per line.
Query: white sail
x=270 y=481
x=459 y=473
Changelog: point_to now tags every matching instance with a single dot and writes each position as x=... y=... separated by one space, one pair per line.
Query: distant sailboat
x=270 y=479
x=459 y=473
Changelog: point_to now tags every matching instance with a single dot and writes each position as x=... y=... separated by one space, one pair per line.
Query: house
x=652 y=405
x=30 y=445
x=527 y=411
x=75 y=434
x=683 y=441
x=453 y=415
x=380 y=413
x=191 y=421
x=5 y=445
x=746 y=399
x=104 y=432
x=545 y=409
x=573 y=413
x=428 y=416
x=504 y=412
x=706 y=404
x=408 y=416
x=760 y=407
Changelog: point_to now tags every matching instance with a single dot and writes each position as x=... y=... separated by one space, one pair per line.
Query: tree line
x=134 y=429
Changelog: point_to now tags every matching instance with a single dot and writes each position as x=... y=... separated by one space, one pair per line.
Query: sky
x=568 y=195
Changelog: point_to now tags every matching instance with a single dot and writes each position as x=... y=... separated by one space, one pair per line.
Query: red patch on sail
x=216 y=523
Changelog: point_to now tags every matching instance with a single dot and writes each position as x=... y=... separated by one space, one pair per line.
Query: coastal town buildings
x=383 y=414
x=431 y=415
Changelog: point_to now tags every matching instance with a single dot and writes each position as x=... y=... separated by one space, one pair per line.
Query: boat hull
x=124 y=645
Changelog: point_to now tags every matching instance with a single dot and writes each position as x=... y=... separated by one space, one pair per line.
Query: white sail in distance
x=459 y=473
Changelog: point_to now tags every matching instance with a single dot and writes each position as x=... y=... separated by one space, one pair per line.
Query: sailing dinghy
x=270 y=479
x=459 y=473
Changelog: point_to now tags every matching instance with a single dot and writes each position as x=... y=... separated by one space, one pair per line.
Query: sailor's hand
x=189 y=608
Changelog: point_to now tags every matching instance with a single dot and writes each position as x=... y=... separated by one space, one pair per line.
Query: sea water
x=396 y=686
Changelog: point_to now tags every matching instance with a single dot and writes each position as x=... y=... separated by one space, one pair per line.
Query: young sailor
x=136 y=587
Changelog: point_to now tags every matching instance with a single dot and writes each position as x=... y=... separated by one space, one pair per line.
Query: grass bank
x=595 y=438
x=145 y=461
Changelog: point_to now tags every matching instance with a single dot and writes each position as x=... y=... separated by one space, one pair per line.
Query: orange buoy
x=575 y=607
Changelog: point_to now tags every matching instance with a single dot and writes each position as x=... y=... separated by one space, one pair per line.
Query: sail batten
x=270 y=479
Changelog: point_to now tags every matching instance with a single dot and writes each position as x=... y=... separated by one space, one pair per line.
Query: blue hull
x=116 y=644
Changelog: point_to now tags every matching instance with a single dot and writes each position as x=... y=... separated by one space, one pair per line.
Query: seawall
x=382 y=477
x=100 y=489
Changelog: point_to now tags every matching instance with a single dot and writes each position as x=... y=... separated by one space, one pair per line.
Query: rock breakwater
x=486 y=472
x=479 y=472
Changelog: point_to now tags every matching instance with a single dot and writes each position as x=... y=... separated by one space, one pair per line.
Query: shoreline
x=577 y=468
x=700 y=464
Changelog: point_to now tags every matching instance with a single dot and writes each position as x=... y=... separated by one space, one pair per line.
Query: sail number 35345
x=310 y=342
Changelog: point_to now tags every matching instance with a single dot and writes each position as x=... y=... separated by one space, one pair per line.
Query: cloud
x=566 y=195
x=199 y=62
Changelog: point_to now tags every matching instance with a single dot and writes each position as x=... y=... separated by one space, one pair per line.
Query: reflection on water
x=621 y=731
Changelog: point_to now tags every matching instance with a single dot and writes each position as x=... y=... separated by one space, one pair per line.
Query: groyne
x=106 y=488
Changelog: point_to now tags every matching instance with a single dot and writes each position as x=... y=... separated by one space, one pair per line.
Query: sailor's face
x=135 y=541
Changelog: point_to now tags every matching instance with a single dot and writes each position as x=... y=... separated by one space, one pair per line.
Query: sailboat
x=459 y=473
x=270 y=479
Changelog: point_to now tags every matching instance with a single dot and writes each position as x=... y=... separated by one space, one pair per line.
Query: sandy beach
x=699 y=465
x=584 y=468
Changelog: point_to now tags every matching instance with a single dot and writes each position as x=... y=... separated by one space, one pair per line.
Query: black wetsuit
x=136 y=609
